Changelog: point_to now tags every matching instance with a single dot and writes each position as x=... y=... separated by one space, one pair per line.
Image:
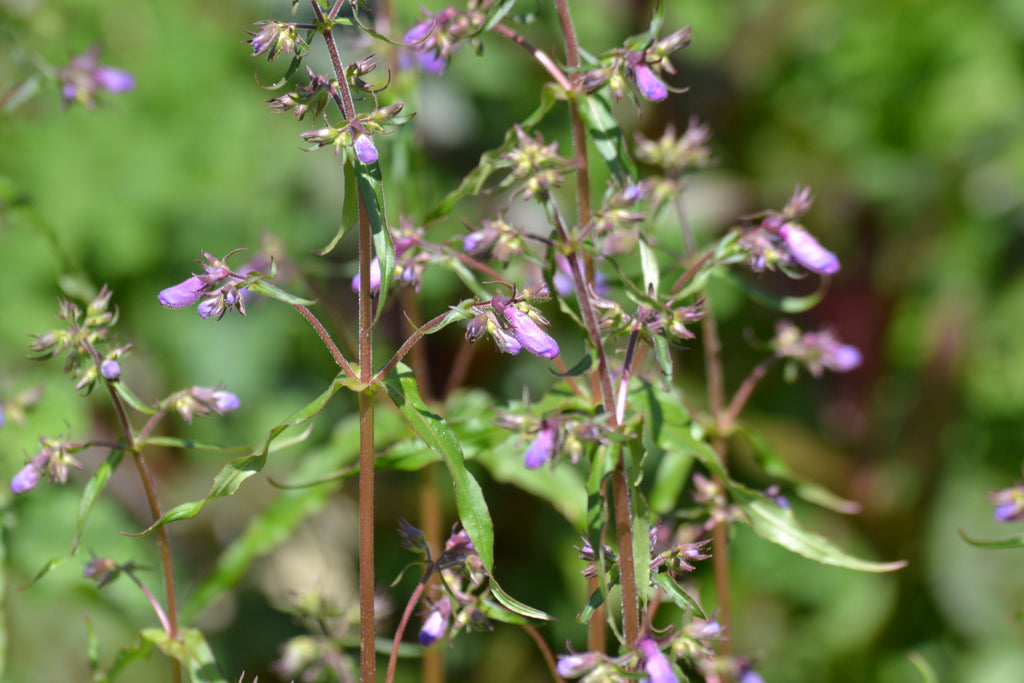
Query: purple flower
x=183 y=294
x=839 y=357
x=542 y=449
x=575 y=665
x=366 y=151
x=656 y=664
x=530 y=335
x=506 y=343
x=113 y=80
x=806 y=250
x=374 y=277
x=202 y=401
x=224 y=402
x=425 y=46
x=3 y=416
x=1009 y=504
x=83 y=77
x=27 y=478
x=110 y=369
x=433 y=628
x=650 y=86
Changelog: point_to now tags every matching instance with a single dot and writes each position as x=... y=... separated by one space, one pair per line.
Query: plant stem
x=163 y=541
x=328 y=342
x=367 y=619
x=409 y=606
x=545 y=652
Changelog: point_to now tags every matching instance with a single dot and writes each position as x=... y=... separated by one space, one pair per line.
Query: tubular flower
x=807 y=251
x=217 y=287
x=530 y=335
x=1008 y=504
x=656 y=664
x=83 y=77
x=543 y=447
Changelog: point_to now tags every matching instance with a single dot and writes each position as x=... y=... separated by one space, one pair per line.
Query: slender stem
x=152 y=601
x=367 y=618
x=624 y=538
x=408 y=345
x=539 y=55
x=739 y=399
x=545 y=652
x=163 y=541
x=328 y=341
x=579 y=134
x=409 y=607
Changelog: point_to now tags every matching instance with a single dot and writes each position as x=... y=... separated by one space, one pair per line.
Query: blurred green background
x=905 y=117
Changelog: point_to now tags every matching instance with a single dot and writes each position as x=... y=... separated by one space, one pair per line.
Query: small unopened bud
x=366 y=151
x=374 y=277
x=111 y=370
x=102 y=569
x=26 y=478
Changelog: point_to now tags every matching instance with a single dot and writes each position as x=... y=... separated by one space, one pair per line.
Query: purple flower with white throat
x=436 y=623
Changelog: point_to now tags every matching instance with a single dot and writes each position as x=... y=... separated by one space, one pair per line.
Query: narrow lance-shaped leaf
x=371 y=191
x=469 y=499
x=596 y=111
x=238 y=470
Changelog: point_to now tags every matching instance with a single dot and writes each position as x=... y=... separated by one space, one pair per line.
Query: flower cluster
x=535 y=167
x=817 y=351
x=276 y=38
x=217 y=290
x=1008 y=504
x=642 y=66
x=84 y=77
x=410 y=262
x=355 y=138
x=497 y=238
x=432 y=40
x=779 y=241
x=85 y=334
x=52 y=460
x=202 y=401
x=456 y=601
x=514 y=325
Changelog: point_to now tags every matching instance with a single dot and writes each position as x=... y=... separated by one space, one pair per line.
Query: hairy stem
x=328 y=342
x=409 y=607
x=367 y=617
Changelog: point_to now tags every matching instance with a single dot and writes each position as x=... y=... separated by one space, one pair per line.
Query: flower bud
x=433 y=627
x=110 y=369
x=575 y=665
x=366 y=151
x=102 y=569
x=1008 y=504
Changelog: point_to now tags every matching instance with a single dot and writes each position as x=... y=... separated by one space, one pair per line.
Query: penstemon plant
x=589 y=283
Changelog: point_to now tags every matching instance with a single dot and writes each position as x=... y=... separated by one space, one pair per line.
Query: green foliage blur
x=907 y=120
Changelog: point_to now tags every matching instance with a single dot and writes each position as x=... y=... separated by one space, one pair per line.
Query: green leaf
x=928 y=674
x=126 y=655
x=435 y=432
x=497 y=13
x=469 y=498
x=777 y=524
x=596 y=111
x=1012 y=542
x=582 y=366
x=650 y=269
x=641 y=521
x=371 y=190
x=349 y=214
x=262 y=287
x=679 y=596
x=785 y=304
x=131 y=399
x=238 y=470
x=191 y=650
x=515 y=606
x=92 y=491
